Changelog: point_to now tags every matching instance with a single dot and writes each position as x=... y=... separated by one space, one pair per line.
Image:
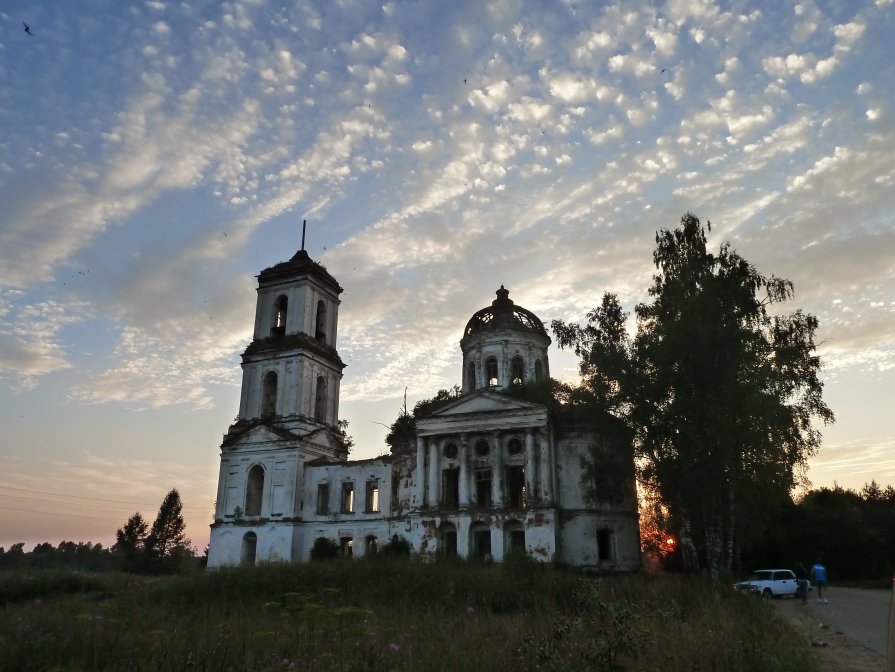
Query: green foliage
x=347 y=439
x=853 y=531
x=396 y=616
x=719 y=393
x=397 y=547
x=166 y=546
x=324 y=549
x=130 y=543
x=403 y=430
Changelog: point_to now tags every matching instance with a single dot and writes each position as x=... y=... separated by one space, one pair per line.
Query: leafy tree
x=402 y=432
x=347 y=439
x=166 y=544
x=130 y=543
x=719 y=391
x=324 y=550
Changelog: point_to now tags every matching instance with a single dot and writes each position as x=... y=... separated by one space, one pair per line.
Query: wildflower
x=470 y=611
x=393 y=648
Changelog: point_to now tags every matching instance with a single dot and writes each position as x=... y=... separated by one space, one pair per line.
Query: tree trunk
x=689 y=556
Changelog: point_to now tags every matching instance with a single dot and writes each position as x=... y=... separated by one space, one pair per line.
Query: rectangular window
x=450 y=488
x=516 y=487
x=372 y=499
x=348 y=497
x=483 y=487
x=323 y=498
x=604 y=544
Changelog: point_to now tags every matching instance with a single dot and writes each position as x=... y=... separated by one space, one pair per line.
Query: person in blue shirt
x=819 y=574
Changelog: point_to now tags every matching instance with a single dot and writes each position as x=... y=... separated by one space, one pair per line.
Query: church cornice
x=299 y=265
x=299 y=341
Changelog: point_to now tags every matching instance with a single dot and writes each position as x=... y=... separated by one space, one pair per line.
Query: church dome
x=503 y=315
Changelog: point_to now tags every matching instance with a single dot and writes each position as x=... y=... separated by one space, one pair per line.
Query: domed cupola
x=503 y=344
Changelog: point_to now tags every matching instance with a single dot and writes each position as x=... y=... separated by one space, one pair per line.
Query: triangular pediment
x=258 y=433
x=483 y=401
x=482 y=410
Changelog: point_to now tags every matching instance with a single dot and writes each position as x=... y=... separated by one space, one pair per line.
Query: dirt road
x=850 y=632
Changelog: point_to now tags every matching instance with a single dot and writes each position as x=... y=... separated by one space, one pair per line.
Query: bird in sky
x=27 y=28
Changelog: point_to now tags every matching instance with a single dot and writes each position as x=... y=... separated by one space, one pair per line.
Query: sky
x=155 y=156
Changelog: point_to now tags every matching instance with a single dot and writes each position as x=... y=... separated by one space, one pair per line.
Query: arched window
x=249 y=544
x=470 y=377
x=518 y=369
x=269 y=395
x=320 y=329
x=254 y=490
x=279 y=315
x=320 y=400
x=491 y=371
x=539 y=370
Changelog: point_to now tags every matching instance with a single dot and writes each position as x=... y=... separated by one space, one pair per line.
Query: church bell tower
x=288 y=415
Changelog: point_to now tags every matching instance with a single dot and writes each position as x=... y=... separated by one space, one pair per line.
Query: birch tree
x=719 y=387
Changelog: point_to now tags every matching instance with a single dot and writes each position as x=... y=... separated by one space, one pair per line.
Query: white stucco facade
x=486 y=473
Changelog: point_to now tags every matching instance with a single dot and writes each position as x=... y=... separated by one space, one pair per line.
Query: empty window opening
x=480 y=541
x=470 y=376
x=604 y=544
x=249 y=547
x=348 y=497
x=371 y=503
x=450 y=451
x=279 y=315
x=371 y=545
x=346 y=544
x=323 y=498
x=254 y=490
x=539 y=370
x=516 y=487
x=448 y=540
x=491 y=371
x=482 y=448
x=320 y=400
x=517 y=541
x=320 y=328
x=514 y=447
x=269 y=395
x=518 y=371
x=450 y=488
x=483 y=487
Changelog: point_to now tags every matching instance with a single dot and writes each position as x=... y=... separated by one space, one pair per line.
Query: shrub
x=324 y=549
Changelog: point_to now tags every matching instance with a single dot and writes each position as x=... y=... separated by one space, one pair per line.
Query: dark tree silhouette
x=130 y=543
x=719 y=392
x=166 y=544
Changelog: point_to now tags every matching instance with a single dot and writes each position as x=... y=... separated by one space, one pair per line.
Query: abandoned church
x=486 y=474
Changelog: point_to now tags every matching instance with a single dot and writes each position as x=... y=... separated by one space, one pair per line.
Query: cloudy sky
x=156 y=155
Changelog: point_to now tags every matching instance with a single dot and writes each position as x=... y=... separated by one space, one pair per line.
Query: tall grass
x=390 y=616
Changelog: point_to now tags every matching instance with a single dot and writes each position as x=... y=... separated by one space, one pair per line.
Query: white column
x=419 y=482
x=496 y=471
x=530 y=477
x=546 y=469
x=464 y=473
x=432 y=499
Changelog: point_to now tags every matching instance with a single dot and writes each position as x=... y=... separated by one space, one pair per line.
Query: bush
x=324 y=549
x=398 y=547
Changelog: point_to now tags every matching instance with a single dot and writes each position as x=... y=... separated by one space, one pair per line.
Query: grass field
x=386 y=615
